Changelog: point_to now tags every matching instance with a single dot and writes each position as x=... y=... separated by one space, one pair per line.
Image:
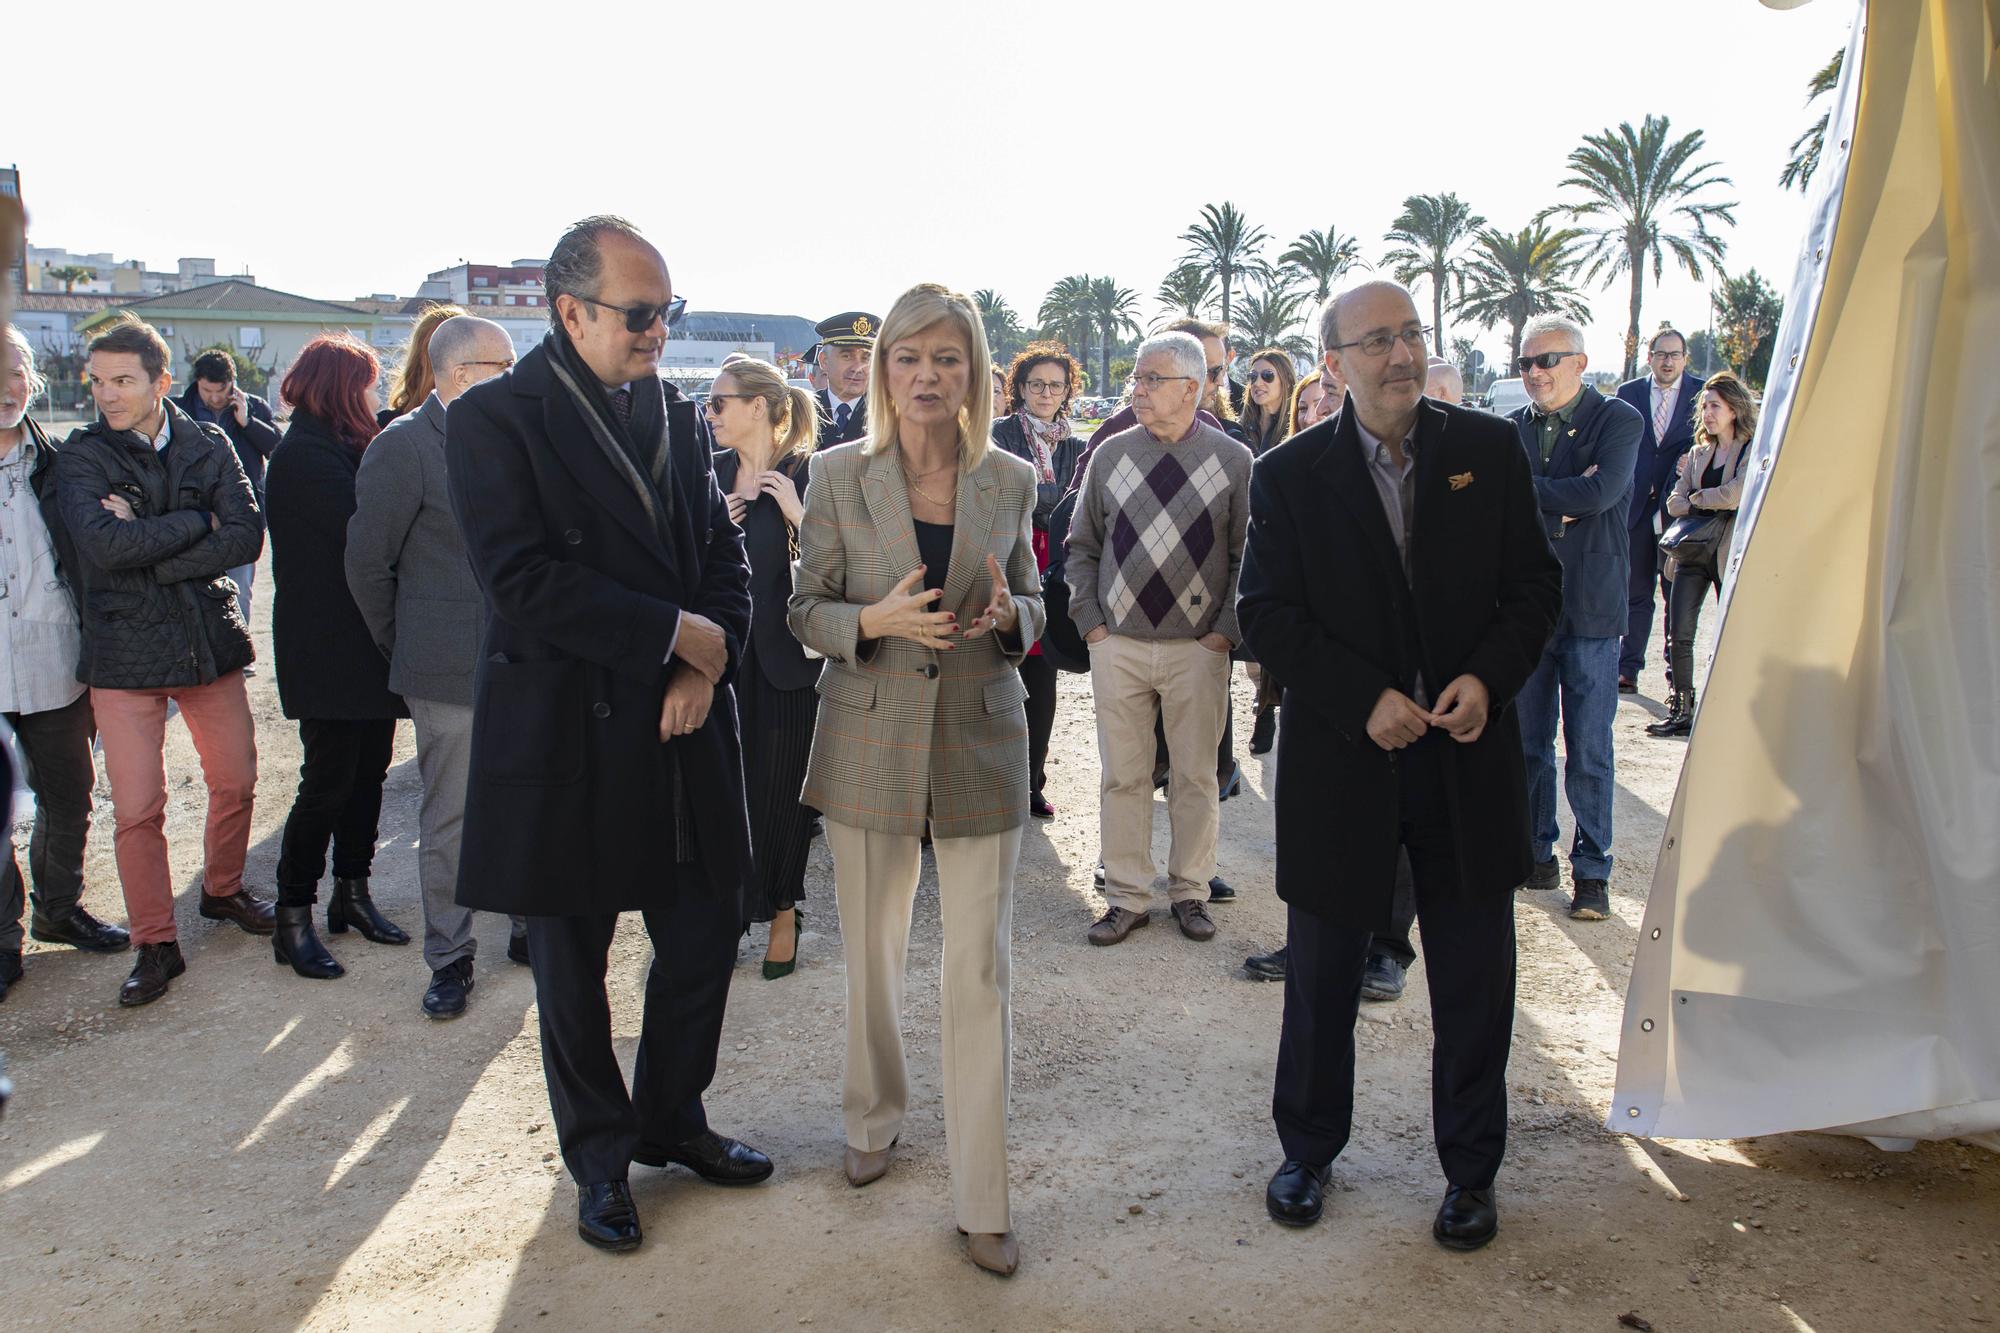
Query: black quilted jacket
x=157 y=606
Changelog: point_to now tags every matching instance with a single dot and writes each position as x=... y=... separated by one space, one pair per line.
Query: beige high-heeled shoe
x=996 y=1254
x=865 y=1168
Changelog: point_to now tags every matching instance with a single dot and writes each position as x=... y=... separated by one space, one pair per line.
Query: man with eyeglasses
x=607 y=773
x=1665 y=399
x=845 y=350
x=1581 y=447
x=1398 y=582
x=407 y=569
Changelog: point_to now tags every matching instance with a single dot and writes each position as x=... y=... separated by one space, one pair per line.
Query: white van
x=1505 y=396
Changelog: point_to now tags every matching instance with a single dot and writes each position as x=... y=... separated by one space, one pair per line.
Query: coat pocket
x=1006 y=694
x=112 y=605
x=846 y=688
x=531 y=725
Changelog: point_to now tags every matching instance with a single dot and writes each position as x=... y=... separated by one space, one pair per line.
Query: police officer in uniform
x=846 y=346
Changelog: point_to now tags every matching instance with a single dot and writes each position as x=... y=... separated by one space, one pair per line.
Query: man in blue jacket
x=1581 y=448
x=1664 y=398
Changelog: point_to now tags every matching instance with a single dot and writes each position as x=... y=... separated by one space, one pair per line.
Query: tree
x=1187 y=291
x=1635 y=185
x=1427 y=236
x=1111 y=308
x=1703 y=359
x=1510 y=277
x=1225 y=245
x=1747 y=312
x=1066 y=314
x=1806 y=148
x=1324 y=257
x=69 y=275
x=1003 y=326
x=1271 y=318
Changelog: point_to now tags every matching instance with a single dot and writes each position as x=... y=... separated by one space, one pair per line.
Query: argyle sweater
x=1156 y=541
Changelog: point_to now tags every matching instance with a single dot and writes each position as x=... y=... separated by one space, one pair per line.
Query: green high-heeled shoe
x=773 y=971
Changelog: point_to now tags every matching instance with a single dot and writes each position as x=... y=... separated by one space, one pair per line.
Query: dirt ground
x=258 y=1151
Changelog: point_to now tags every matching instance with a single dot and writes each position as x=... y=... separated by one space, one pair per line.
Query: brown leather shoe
x=996 y=1254
x=865 y=1168
x=1195 y=921
x=1116 y=924
x=158 y=964
x=246 y=909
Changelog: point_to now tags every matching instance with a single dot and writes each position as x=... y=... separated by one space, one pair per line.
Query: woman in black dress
x=1041 y=385
x=765 y=431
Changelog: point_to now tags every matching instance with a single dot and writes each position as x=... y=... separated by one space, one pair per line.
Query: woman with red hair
x=332 y=679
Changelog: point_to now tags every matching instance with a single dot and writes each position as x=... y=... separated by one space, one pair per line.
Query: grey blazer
x=906 y=731
x=406 y=563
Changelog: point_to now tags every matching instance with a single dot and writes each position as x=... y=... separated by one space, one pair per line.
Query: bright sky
x=807 y=159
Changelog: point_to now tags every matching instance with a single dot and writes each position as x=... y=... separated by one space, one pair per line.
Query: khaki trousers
x=1187 y=687
x=874 y=886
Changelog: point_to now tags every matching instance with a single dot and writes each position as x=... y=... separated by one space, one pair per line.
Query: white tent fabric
x=1822 y=945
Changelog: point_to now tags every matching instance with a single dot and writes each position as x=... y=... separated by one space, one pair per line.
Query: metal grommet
x=1843 y=143
x=1632 y=1111
x=1645 y=1025
x=1656 y=932
x=1670 y=844
x=1683 y=999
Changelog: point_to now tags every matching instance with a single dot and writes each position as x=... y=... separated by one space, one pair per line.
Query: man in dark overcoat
x=1397 y=580
x=606 y=774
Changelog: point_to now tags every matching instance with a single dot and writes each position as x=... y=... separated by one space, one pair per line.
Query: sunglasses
x=1217 y=372
x=1264 y=376
x=715 y=401
x=639 y=318
x=1545 y=361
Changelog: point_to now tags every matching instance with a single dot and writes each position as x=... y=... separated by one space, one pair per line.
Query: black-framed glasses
x=639 y=318
x=502 y=364
x=1542 y=361
x=1263 y=376
x=1046 y=386
x=1667 y=356
x=1379 y=342
x=1151 y=383
x=1217 y=372
x=714 y=398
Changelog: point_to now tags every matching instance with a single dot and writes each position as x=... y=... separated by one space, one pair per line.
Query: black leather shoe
x=517 y=949
x=1220 y=891
x=351 y=906
x=450 y=984
x=1039 y=807
x=1545 y=875
x=1267 y=966
x=80 y=930
x=1591 y=901
x=718 y=1160
x=296 y=943
x=1265 y=733
x=1296 y=1195
x=158 y=964
x=606 y=1217
x=10 y=972
x=1382 y=979
x=1467 y=1219
x=256 y=915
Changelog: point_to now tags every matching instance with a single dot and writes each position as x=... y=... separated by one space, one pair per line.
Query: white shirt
x=166 y=434
x=1659 y=392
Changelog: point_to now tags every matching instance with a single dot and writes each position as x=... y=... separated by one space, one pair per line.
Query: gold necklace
x=911 y=481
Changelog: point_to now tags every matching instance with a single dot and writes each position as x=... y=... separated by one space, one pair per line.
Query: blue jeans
x=1586 y=673
x=242 y=575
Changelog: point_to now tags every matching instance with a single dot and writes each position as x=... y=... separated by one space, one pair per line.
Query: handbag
x=1695 y=539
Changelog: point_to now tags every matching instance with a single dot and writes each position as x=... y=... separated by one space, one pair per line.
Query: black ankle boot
x=1264 y=734
x=351 y=906
x=1679 y=720
x=297 y=944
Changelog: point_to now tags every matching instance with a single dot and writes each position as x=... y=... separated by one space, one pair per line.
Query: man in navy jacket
x=1581 y=449
x=1665 y=402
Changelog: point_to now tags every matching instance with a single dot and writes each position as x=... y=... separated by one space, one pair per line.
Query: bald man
x=407 y=569
x=1445 y=383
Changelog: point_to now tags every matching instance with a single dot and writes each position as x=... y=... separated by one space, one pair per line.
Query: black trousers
x=1648 y=584
x=1469 y=965
x=339 y=801
x=1395 y=941
x=55 y=745
x=1692 y=584
x=1039 y=675
x=598 y=1123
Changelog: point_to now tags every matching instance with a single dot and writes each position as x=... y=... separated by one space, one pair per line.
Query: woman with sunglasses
x=1267 y=401
x=1032 y=424
x=1711 y=482
x=764 y=431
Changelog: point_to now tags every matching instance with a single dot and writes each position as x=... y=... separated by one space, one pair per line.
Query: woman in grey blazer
x=916 y=580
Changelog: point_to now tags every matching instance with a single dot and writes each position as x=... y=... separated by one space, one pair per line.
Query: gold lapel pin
x=1461 y=481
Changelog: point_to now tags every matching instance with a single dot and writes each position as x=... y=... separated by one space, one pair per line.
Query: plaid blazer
x=907 y=732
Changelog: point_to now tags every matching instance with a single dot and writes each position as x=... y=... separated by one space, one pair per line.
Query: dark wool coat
x=569 y=805
x=329 y=668
x=1325 y=606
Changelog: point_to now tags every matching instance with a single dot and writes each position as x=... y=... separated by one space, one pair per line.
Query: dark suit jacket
x=857 y=421
x=569 y=805
x=1653 y=475
x=768 y=547
x=1325 y=607
x=1595 y=549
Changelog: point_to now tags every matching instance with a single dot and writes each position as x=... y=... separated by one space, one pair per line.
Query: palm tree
x=1806 y=148
x=1427 y=235
x=1187 y=290
x=1224 y=244
x=1066 y=313
x=1271 y=317
x=1635 y=185
x=1003 y=326
x=69 y=275
x=1111 y=309
x=1324 y=257
x=1510 y=277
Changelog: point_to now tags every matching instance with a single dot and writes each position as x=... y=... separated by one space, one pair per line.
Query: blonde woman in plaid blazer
x=921 y=719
